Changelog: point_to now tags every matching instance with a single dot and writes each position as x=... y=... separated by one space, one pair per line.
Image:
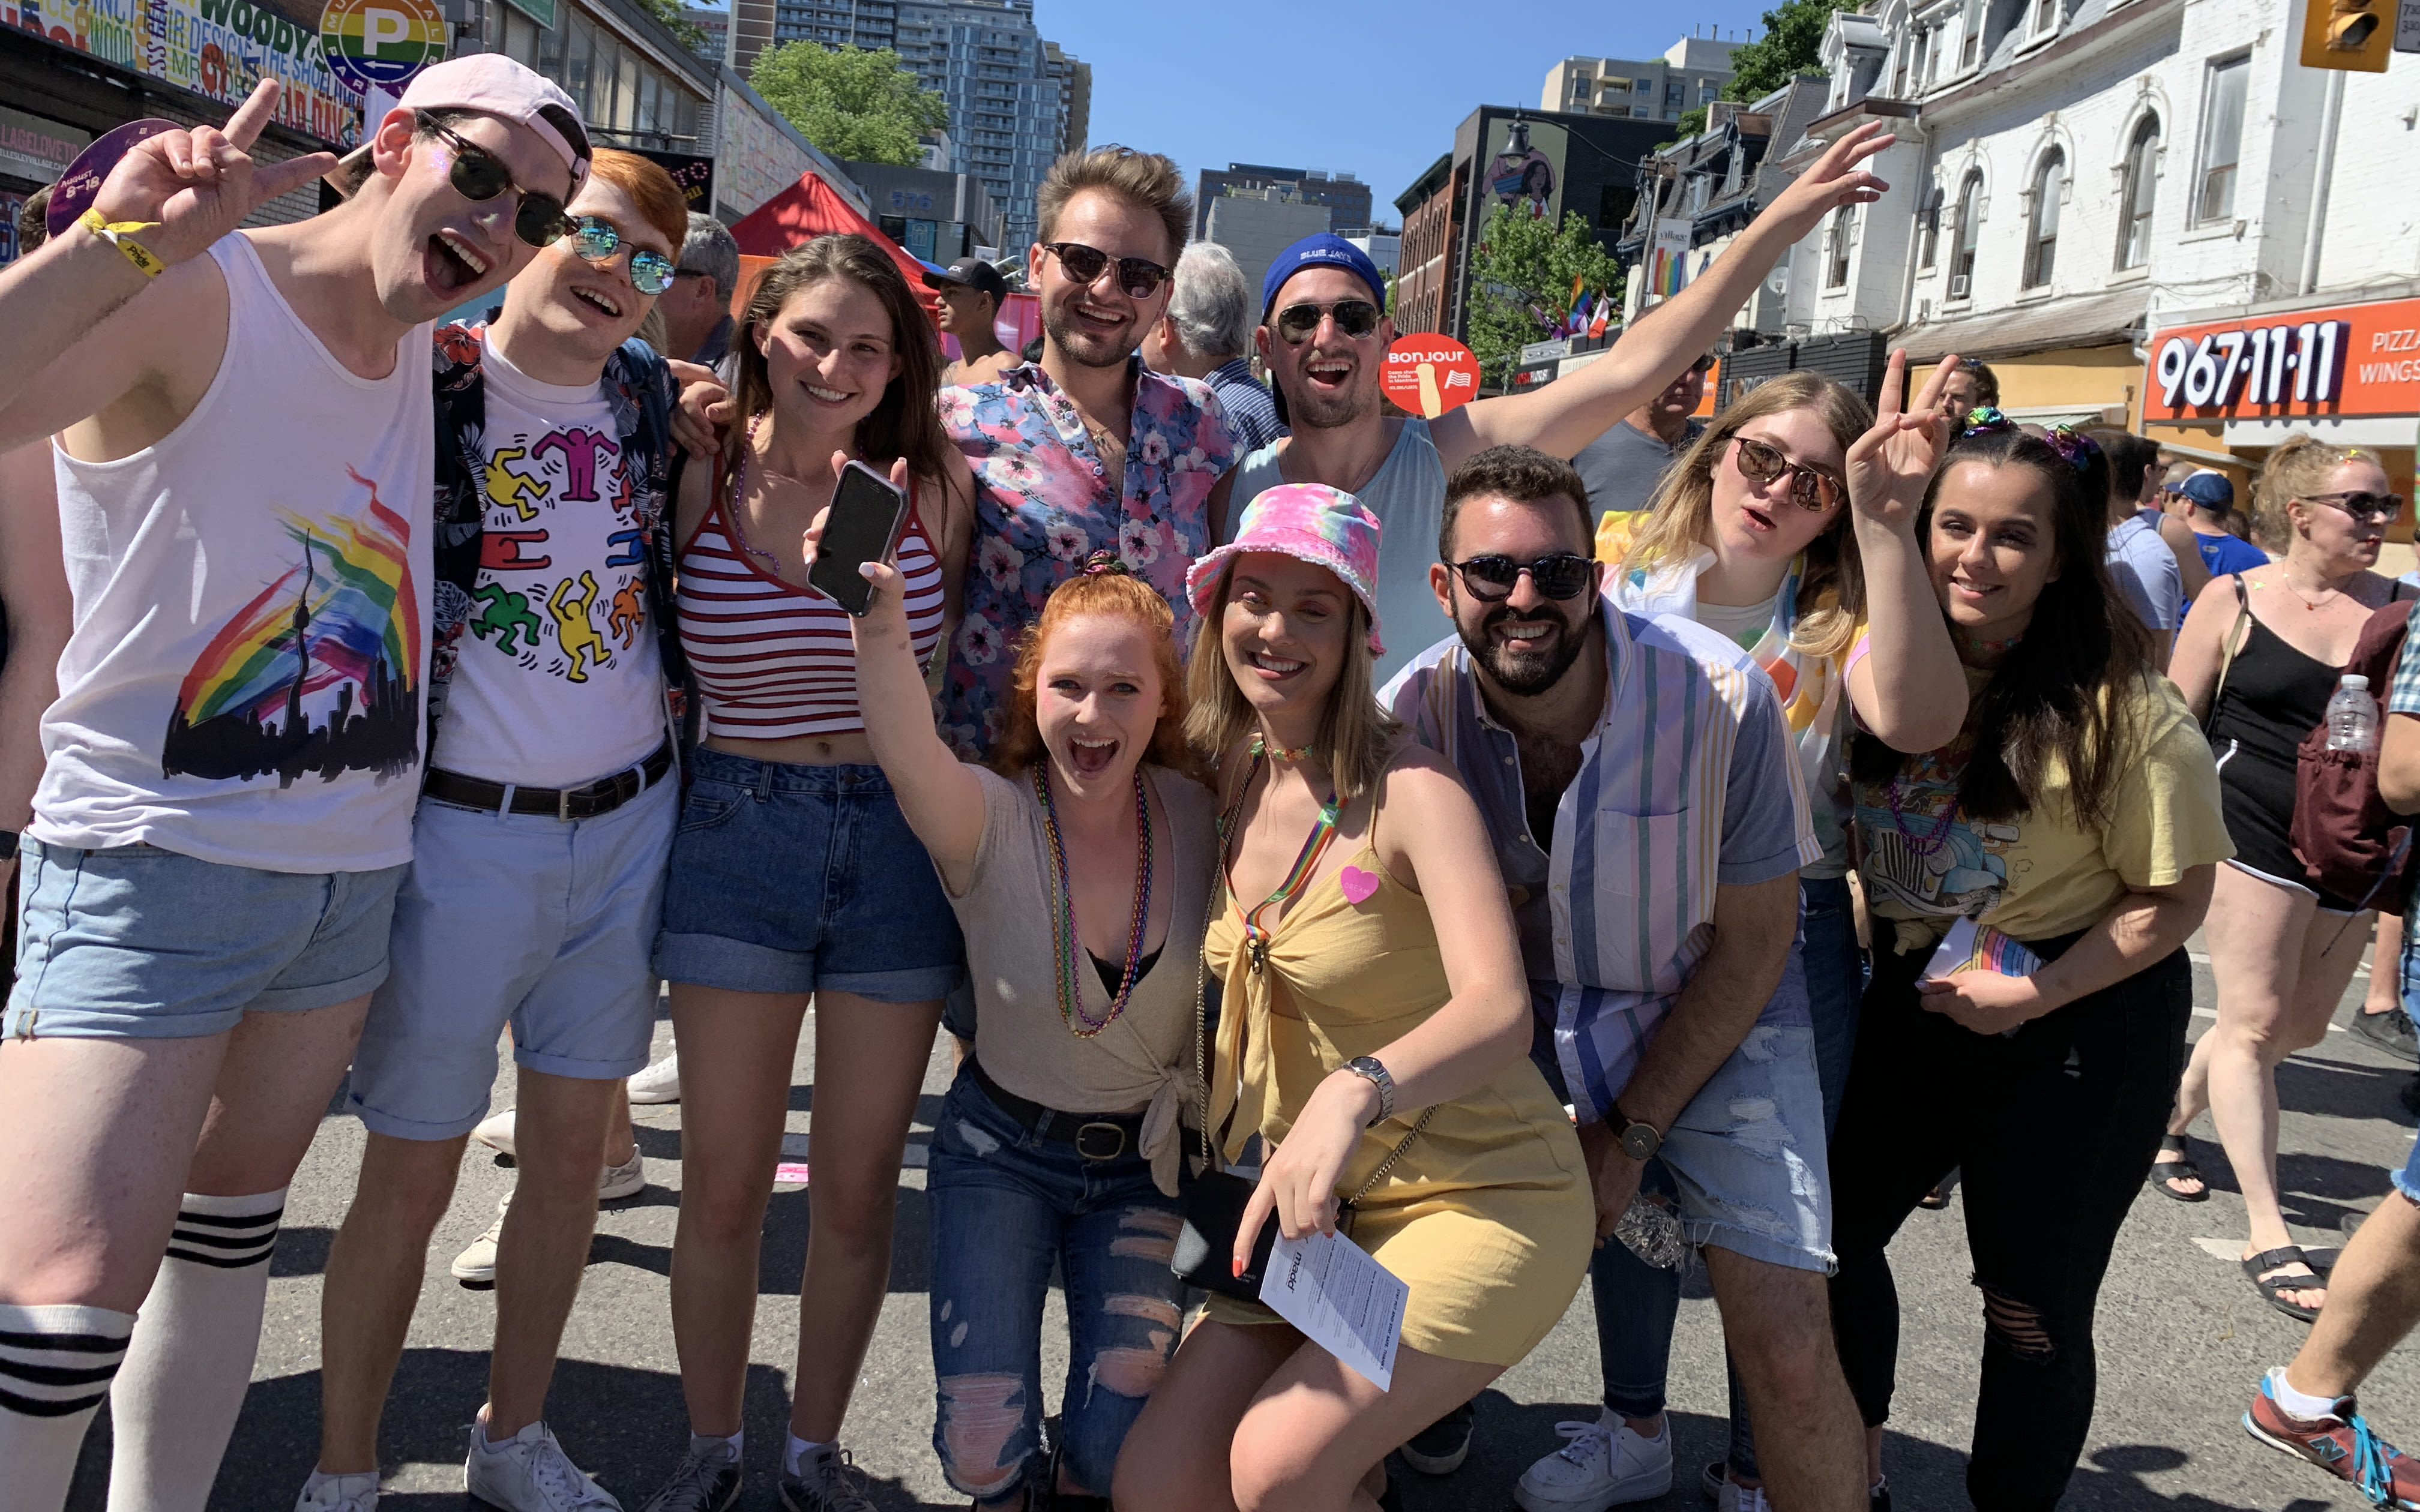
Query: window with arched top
x=1970 y=234
x=2135 y=201
x=2042 y=235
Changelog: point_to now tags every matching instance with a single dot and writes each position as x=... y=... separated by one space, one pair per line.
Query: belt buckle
x=563 y=806
x=1091 y=1147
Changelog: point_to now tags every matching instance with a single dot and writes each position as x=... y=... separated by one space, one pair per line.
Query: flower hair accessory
x=1105 y=564
x=2075 y=447
x=1984 y=421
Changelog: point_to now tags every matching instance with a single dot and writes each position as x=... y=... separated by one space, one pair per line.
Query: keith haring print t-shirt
x=559 y=681
x=245 y=678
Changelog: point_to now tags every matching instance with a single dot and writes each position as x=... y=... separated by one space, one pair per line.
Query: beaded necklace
x=1261 y=747
x=1067 y=944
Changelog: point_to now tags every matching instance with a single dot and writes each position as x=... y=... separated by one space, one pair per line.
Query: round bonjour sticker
x=1427 y=374
x=81 y=184
x=379 y=44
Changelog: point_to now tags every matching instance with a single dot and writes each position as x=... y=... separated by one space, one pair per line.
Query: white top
x=1743 y=624
x=559 y=681
x=244 y=683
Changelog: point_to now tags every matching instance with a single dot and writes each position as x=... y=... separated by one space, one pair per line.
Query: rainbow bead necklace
x=1067 y=943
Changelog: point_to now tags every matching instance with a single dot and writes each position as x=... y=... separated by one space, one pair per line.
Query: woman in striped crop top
x=794 y=877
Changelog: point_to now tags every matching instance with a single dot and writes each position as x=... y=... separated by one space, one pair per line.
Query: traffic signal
x=2347 y=34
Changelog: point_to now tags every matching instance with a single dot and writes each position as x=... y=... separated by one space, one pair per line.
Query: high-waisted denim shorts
x=788 y=878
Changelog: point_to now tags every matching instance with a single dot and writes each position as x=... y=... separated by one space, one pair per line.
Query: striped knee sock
x=55 y=1364
x=176 y=1401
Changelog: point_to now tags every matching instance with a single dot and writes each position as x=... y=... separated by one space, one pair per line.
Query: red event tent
x=810 y=208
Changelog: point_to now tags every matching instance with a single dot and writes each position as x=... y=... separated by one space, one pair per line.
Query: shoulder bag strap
x=2226 y=651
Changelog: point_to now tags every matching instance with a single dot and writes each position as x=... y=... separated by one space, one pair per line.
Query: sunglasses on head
x=2380 y=507
x=1811 y=489
x=1355 y=317
x=477 y=174
x=594 y=240
x=1138 y=277
x=1492 y=576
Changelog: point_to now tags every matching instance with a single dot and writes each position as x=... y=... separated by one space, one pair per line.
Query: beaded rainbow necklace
x=1067 y=943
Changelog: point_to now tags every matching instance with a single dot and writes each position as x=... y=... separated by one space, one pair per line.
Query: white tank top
x=244 y=681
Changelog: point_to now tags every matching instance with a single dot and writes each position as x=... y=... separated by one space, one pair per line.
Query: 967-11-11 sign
x=2354 y=359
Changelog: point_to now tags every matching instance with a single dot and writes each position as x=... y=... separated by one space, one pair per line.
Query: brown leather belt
x=601 y=796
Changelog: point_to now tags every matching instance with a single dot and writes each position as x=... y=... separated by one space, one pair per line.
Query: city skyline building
x=1343 y=193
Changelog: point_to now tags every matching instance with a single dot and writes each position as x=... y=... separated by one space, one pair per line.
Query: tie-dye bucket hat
x=1310 y=522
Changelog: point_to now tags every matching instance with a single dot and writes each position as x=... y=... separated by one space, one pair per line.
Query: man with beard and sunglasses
x=1325 y=333
x=243 y=461
x=1643 y=789
x=1088 y=449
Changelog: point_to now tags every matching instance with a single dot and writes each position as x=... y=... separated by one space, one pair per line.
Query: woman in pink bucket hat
x=1373 y=1034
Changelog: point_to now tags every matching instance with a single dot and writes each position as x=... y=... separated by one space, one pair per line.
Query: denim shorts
x=2407 y=1181
x=788 y=878
x=137 y=943
x=521 y=919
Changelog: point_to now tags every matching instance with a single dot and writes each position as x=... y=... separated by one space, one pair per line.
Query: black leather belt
x=601 y=796
x=1096 y=1136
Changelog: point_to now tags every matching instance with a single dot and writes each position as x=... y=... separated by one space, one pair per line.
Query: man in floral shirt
x=1086 y=450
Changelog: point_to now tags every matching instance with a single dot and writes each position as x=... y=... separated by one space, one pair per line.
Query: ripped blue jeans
x=1006 y=1207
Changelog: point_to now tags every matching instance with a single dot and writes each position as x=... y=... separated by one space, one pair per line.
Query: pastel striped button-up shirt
x=1689 y=780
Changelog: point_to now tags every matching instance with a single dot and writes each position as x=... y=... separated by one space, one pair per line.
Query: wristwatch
x=1640 y=1141
x=1374 y=1071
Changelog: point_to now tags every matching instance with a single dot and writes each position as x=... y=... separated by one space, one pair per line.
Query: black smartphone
x=863 y=525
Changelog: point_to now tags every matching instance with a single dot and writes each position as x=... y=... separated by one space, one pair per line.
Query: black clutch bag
x=1205 y=1245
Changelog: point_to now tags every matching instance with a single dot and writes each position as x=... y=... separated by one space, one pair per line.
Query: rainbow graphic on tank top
x=319 y=671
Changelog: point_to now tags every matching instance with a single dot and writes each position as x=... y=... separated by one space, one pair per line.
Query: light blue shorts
x=519 y=919
x=138 y=943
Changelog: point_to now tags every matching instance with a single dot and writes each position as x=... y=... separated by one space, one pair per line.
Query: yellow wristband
x=118 y=235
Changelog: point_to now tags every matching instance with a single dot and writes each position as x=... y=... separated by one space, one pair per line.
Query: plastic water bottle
x=2353 y=716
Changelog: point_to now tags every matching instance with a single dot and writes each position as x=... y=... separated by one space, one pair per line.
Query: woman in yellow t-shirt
x=2075 y=820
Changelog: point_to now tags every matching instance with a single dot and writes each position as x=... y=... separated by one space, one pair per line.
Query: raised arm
x=172 y=195
x=1908 y=688
x=943 y=800
x=1430 y=835
x=1569 y=414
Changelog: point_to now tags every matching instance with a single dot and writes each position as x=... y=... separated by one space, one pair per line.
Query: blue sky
x=1375 y=89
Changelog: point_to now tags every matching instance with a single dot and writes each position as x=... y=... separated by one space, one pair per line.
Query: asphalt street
x=2181 y=1337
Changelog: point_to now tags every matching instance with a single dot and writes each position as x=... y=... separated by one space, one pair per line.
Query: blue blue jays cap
x=1324 y=249
x=2211 y=490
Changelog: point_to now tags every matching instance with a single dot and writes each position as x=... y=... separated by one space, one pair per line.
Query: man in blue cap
x=1324 y=336
x=2206 y=499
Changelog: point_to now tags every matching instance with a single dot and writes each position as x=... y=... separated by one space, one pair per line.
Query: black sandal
x=2180 y=1169
x=2255 y=1268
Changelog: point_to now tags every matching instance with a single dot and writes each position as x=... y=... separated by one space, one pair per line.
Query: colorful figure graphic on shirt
x=509 y=488
x=320 y=673
x=573 y=633
x=623 y=493
x=505 y=612
x=629 y=616
x=581 y=450
x=1922 y=851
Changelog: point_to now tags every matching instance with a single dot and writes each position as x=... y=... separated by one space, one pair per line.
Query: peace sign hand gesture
x=1891 y=464
x=198 y=185
x=1834 y=180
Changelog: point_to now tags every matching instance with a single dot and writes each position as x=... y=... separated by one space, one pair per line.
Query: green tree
x=1789 y=48
x=1521 y=276
x=855 y=104
x=675 y=20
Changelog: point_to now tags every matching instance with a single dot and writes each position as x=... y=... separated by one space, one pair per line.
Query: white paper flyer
x=1342 y=1299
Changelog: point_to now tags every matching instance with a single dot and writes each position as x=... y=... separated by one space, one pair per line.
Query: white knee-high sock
x=55 y=1365
x=176 y=1401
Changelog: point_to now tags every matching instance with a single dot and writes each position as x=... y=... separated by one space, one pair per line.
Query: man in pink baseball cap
x=245 y=444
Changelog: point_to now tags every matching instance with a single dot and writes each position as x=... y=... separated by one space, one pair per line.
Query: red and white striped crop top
x=775 y=659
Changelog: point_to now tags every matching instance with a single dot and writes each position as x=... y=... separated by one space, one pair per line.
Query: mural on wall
x=215 y=48
x=1525 y=167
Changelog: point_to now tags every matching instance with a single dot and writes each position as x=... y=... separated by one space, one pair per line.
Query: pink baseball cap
x=494 y=84
x=1310 y=522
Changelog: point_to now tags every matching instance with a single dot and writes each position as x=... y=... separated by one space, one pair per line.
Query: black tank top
x=2274 y=696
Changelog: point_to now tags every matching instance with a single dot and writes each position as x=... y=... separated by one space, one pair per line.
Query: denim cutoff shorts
x=789 y=879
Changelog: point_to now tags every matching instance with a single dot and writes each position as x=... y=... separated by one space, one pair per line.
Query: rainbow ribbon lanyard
x=1315 y=845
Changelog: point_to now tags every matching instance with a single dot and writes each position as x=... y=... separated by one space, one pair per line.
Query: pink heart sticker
x=1357 y=884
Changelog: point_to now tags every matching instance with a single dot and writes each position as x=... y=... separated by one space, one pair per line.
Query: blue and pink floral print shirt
x=1040 y=510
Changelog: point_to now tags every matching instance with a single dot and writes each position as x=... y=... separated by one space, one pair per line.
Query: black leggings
x=2055 y=1128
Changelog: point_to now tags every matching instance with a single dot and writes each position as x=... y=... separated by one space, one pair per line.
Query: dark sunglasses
x=477 y=174
x=2380 y=507
x=1811 y=489
x=1355 y=317
x=1138 y=277
x=596 y=240
x=1492 y=578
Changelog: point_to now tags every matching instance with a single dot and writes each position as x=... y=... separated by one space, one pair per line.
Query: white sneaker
x=476 y=1264
x=659 y=1083
x=626 y=1179
x=495 y=1131
x=339 y=1493
x=530 y=1472
x=1604 y=1464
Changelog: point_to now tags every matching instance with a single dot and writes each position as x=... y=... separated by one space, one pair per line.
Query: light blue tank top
x=1408 y=497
